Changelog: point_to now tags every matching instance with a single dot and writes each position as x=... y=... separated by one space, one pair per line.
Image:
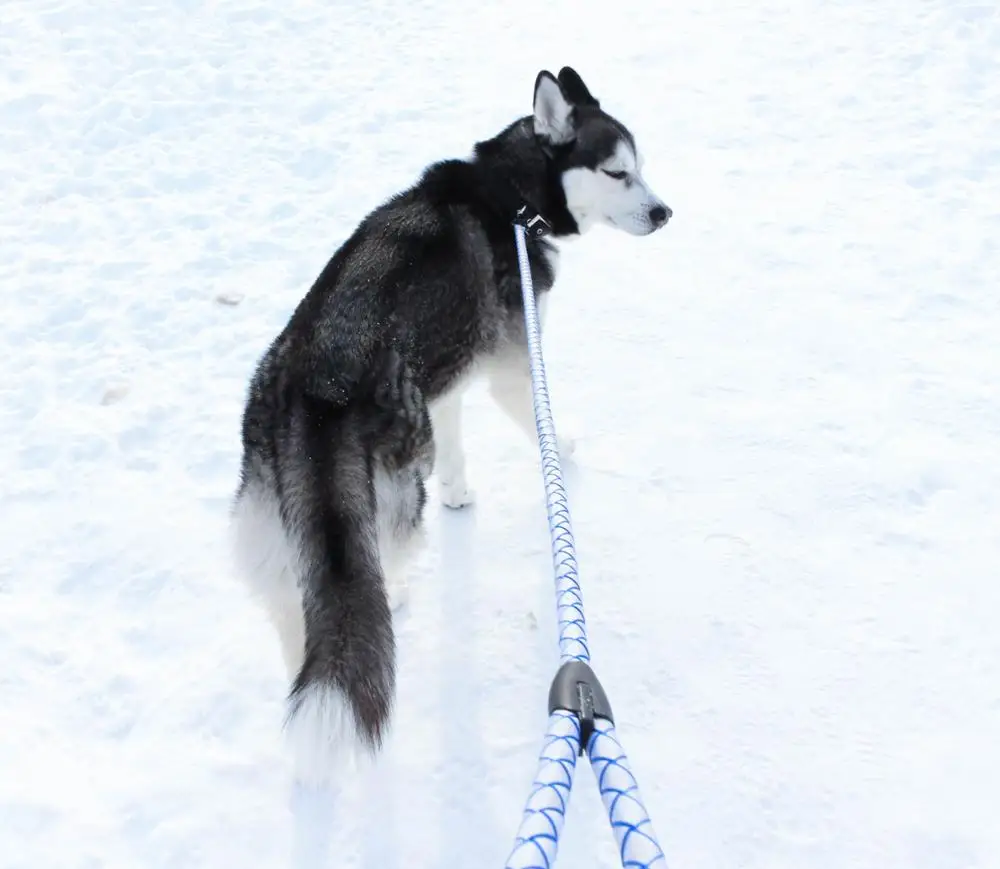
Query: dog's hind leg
x=404 y=456
x=270 y=563
x=446 y=414
x=399 y=497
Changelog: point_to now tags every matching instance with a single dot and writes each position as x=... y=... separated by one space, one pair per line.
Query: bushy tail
x=341 y=700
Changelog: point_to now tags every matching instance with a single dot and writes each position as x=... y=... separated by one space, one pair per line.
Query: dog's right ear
x=555 y=118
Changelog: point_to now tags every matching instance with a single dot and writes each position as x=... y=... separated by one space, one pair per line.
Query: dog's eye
x=618 y=176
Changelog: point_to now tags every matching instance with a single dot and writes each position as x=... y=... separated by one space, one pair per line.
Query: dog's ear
x=574 y=88
x=555 y=117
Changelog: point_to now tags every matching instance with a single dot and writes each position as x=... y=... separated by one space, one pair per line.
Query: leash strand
x=579 y=714
x=569 y=599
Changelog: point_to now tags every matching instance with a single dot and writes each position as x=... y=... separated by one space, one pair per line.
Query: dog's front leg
x=510 y=386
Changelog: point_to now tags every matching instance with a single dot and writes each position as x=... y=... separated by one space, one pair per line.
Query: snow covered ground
x=786 y=487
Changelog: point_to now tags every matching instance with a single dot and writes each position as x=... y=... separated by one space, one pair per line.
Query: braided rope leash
x=580 y=716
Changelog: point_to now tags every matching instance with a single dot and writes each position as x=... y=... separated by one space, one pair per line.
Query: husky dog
x=357 y=400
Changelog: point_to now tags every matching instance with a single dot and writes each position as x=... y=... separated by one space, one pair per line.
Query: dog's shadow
x=468 y=831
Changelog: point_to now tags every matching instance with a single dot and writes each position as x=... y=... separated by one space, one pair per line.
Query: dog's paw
x=456 y=493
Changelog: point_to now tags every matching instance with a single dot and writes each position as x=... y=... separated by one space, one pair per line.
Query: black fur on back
x=432 y=272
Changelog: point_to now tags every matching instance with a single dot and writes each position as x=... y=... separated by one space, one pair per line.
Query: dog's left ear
x=574 y=88
x=555 y=117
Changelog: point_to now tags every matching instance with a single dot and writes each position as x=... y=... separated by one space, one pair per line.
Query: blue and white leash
x=579 y=713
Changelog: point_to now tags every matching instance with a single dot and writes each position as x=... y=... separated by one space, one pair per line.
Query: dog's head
x=596 y=155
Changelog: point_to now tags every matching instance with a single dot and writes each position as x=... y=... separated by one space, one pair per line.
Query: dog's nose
x=660 y=214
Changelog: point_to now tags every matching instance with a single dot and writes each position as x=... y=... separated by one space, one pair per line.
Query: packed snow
x=786 y=488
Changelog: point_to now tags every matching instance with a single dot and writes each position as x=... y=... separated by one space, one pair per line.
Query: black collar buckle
x=536 y=225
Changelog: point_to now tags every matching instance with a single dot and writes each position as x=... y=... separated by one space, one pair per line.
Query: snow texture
x=785 y=488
